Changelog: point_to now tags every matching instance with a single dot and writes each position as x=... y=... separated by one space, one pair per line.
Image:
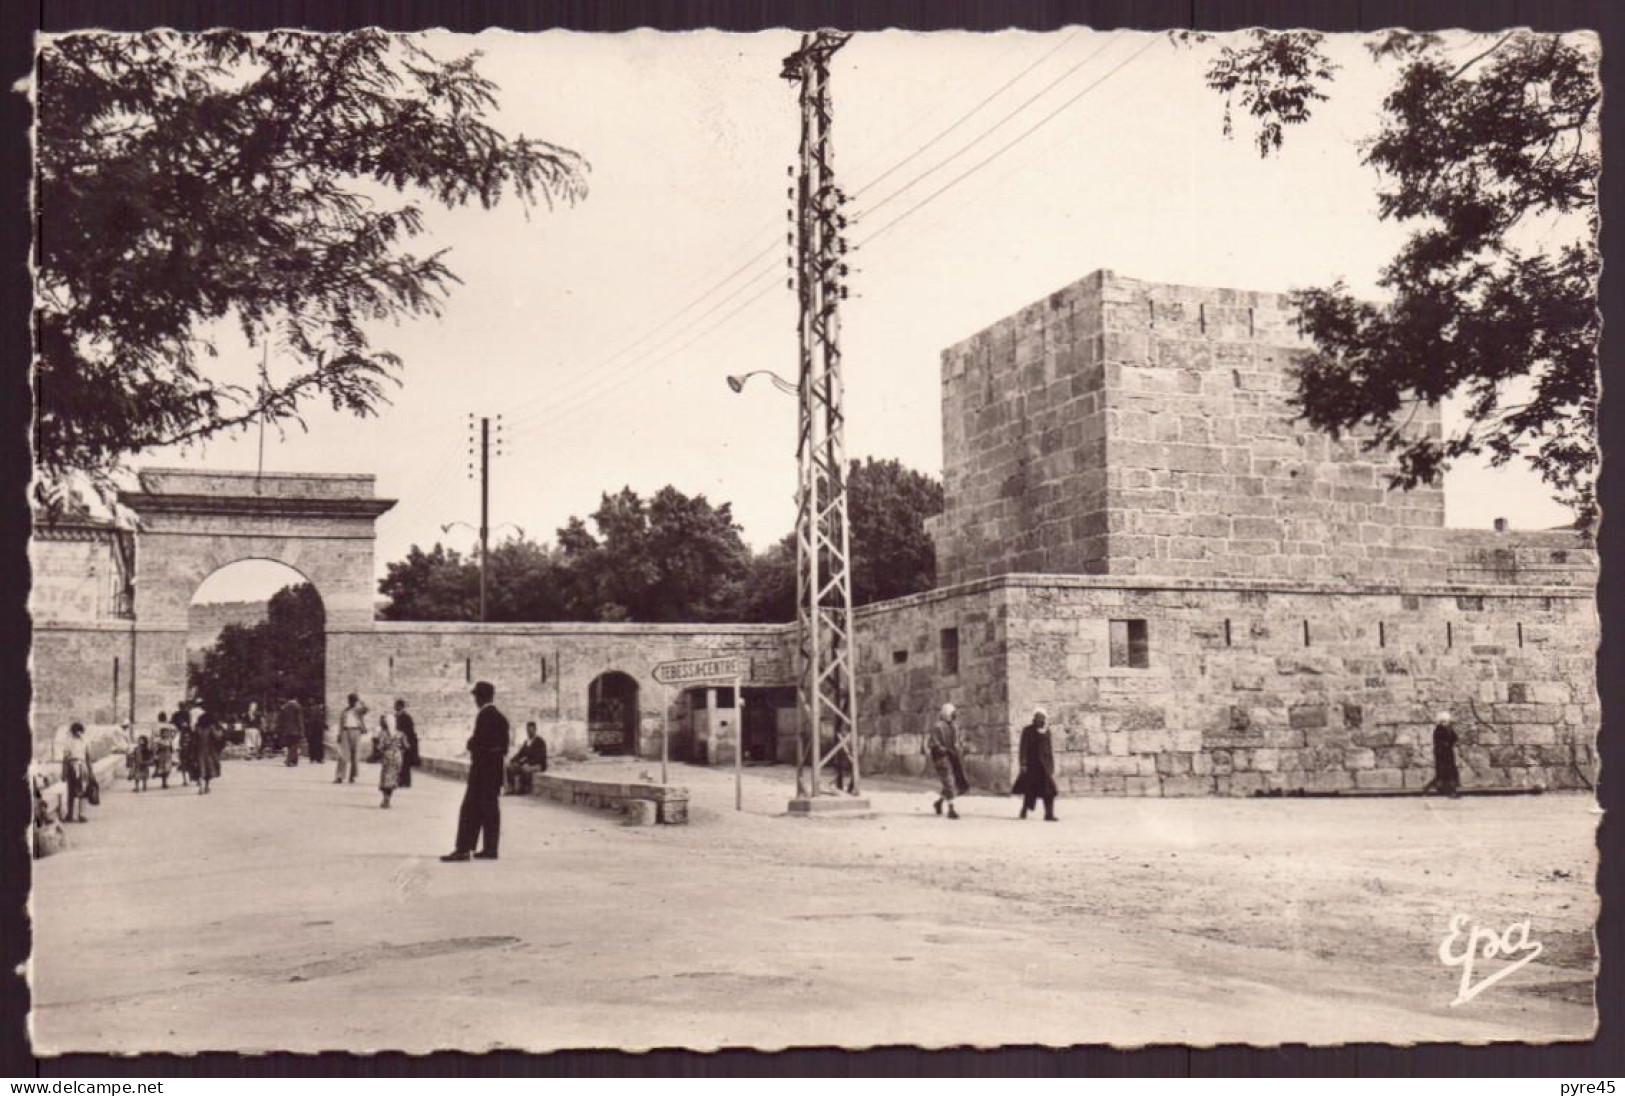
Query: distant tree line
x=672 y=557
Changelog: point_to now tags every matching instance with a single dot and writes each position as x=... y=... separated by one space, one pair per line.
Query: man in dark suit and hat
x=482 y=811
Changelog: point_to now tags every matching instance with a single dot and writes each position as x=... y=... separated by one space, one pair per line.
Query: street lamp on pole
x=449 y=526
x=737 y=382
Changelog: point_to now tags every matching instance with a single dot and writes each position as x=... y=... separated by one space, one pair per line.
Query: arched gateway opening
x=195 y=525
x=256 y=638
x=612 y=714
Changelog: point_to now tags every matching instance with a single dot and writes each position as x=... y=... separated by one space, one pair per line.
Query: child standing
x=142 y=762
x=163 y=756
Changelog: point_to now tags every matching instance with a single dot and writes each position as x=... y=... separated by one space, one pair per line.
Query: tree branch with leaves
x=1478 y=154
x=190 y=180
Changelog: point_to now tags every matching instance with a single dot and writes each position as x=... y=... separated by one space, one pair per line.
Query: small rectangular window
x=950 y=650
x=725 y=697
x=1473 y=604
x=899 y=657
x=1130 y=644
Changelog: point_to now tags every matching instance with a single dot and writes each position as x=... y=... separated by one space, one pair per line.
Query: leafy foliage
x=1277 y=78
x=670 y=558
x=673 y=557
x=189 y=179
x=887 y=505
x=267 y=663
x=1478 y=154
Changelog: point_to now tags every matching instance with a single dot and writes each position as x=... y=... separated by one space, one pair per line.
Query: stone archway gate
x=192 y=523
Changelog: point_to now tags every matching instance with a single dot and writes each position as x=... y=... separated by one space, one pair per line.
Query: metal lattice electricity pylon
x=823 y=550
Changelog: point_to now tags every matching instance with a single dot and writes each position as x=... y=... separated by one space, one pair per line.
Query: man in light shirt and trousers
x=352 y=729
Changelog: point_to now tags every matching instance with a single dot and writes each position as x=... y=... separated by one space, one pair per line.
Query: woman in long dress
x=391 y=748
x=208 y=737
x=185 y=745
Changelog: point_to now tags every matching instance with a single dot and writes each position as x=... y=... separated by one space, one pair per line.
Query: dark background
x=1604 y=1057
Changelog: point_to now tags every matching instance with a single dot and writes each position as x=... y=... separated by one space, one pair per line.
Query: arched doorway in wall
x=256 y=637
x=612 y=714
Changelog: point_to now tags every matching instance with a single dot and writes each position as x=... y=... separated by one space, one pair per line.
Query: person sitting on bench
x=530 y=760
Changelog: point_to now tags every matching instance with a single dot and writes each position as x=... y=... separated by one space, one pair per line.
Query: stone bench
x=642 y=803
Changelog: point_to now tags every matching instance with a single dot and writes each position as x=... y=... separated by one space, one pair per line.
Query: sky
x=990 y=170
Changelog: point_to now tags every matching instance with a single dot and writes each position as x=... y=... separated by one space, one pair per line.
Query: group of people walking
x=1035 y=778
x=186 y=744
x=394 y=747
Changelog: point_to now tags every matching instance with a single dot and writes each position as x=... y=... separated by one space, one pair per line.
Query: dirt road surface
x=284 y=913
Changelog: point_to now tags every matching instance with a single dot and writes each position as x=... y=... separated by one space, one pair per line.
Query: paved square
x=284 y=913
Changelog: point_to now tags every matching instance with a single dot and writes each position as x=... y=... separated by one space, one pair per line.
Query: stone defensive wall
x=548 y=673
x=1169 y=686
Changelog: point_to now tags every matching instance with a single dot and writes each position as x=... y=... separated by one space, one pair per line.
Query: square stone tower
x=1122 y=427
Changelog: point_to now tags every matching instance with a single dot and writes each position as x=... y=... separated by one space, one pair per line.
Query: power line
x=563 y=410
x=1008 y=171
x=618 y=378
x=602 y=382
x=979 y=138
x=963 y=118
x=522 y=408
x=980 y=164
x=754 y=259
x=565 y=419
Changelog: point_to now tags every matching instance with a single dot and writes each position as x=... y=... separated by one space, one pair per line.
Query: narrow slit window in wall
x=1520 y=633
x=1382 y=634
x=1252 y=328
x=1306 y=633
x=468 y=669
x=1449 y=635
x=950 y=651
x=1201 y=318
x=392 y=669
x=1227 y=637
x=115 y=686
x=1130 y=644
x=543 y=661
